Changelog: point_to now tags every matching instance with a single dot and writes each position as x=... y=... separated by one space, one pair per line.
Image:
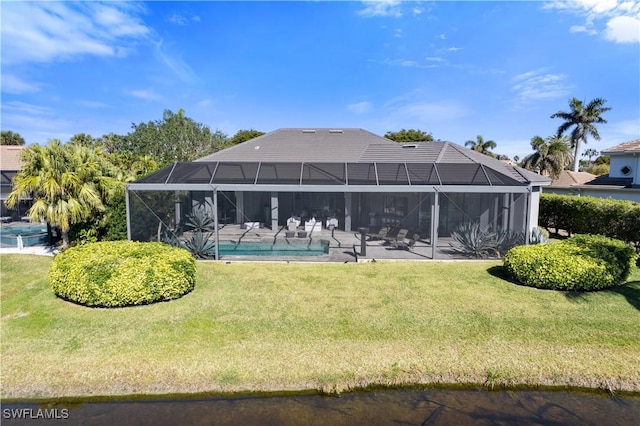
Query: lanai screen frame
x=371 y=177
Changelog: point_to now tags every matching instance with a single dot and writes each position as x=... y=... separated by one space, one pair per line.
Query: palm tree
x=481 y=146
x=551 y=155
x=590 y=153
x=583 y=120
x=68 y=183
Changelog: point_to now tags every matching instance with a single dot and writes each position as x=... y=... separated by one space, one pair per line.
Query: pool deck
x=344 y=247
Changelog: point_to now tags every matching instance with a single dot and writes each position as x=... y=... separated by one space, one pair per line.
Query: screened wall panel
x=240 y=173
x=422 y=174
x=361 y=174
x=323 y=174
x=192 y=173
x=279 y=173
x=392 y=174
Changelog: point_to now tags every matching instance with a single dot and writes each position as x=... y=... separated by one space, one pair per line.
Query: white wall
x=632 y=194
x=629 y=160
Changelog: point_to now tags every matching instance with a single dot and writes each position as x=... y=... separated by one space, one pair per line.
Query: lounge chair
x=380 y=235
x=406 y=243
x=401 y=235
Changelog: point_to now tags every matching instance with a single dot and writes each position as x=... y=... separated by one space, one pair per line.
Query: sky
x=498 y=69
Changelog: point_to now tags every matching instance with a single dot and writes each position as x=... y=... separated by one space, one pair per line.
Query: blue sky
x=455 y=69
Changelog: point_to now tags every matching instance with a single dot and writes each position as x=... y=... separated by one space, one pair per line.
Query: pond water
x=386 y=407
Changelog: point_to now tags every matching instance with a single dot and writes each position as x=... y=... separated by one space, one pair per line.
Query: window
x=626 y=170
x=395 y=206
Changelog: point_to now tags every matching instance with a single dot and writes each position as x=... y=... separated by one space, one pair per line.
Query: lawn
x=332 y=327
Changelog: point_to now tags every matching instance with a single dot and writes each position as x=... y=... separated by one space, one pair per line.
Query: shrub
x=471 y=240
x=122 y=273
x=558 y=266
x=619 y=255
x=582 y=262
x=618 y=219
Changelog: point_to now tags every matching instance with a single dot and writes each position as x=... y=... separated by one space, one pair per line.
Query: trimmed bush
x=122 y=273
x=557 y=267
x=620 y=257
x=582 y=262
x=618 y=219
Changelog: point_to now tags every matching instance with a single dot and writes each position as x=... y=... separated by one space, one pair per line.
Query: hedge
x=618 y=219
x=583 y=262
x=122 y=273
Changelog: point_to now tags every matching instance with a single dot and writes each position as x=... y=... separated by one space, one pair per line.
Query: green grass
x=271 y=327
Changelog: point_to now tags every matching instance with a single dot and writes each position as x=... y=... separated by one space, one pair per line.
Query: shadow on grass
x=631 y=292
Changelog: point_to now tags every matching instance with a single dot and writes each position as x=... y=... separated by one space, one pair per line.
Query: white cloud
x=360 y=107
x=47 y=31
x=35 y=123
x=537 y=85
x=177 y=19
x=623 y=29
x=174 y=61
x=453 y=49
x=617 y=20
x=390 y=8
x=15 y=85
x=148 y=95
x=435 y=59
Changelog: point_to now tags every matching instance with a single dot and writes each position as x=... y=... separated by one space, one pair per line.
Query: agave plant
x=506 y=239
x=539 y=236
x=470 y=240
x=199 y=220
x=200 y=245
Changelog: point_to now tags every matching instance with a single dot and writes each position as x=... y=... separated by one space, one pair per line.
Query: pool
x=32 y=235
x=273 y=249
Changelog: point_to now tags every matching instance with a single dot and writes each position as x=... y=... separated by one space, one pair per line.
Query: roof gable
x=631 y=146
x=10 y=157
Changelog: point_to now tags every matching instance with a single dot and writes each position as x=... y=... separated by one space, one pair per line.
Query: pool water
x=273 y=249
x=31 y=235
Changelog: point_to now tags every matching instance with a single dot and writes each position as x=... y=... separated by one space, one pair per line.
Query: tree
x=590 y=153
x=481 y=146
x=82 y=139
x=583 y=120
x=174 y=138
x=10 y=138
x=243 y=136
x=69 y=184
x=411 y=135
x=551 y=155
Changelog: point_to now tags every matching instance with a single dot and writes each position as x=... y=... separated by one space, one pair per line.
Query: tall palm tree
x=481 y=146
x=583 y=120
x=68 y=183
x=551 y=155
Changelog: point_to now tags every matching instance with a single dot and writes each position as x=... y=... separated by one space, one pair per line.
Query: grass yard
x=333 y=327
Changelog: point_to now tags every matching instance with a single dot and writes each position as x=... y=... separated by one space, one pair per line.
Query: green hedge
x=618 y=219
x=583 y=262
x=122 y=273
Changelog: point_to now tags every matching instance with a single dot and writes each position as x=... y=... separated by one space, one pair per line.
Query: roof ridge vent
x=336 y=131
x=308 y=130
x=409 y=145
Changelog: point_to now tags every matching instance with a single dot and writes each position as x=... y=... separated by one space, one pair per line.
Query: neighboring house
x=351 y=176
x=622 y=182
x=10 y=165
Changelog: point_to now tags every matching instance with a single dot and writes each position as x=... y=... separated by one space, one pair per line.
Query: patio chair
x=406 y=243
x=380 y=235
x=401 y=235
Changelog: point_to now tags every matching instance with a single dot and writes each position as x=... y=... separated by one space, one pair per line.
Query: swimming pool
x=273 y=249
x=32 y=235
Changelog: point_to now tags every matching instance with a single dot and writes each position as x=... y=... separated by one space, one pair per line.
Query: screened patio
x=427 y=189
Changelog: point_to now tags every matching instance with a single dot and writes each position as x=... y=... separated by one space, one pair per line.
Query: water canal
x=385 y=407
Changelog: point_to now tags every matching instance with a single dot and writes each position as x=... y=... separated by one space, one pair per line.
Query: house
x=351 y=177
x=10 y=165
x=622 y=182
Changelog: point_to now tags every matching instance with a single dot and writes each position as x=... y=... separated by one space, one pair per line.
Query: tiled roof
x=298 y=145
x=631 y=146
x=568 y=178
x=609 y=181
x=297 y=153
x=10 y=157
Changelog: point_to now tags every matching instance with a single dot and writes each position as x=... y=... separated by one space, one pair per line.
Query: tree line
x=78 y=186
